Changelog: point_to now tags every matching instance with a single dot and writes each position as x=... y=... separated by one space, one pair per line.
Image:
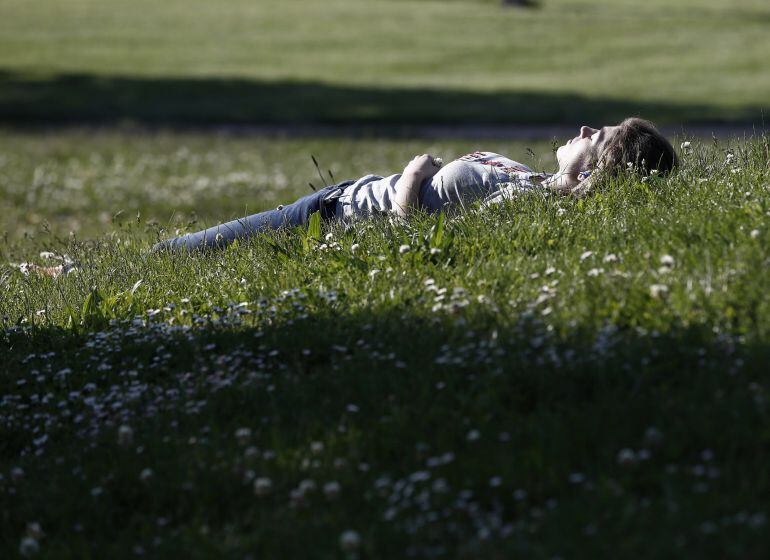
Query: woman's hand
x=423 y=167
x=408 y=186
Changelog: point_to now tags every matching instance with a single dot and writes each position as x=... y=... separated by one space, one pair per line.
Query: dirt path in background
x=503 y=132
x=428 y=131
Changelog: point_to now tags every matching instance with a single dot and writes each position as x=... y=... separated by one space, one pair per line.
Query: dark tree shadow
x=387 y=389
x=84 y=98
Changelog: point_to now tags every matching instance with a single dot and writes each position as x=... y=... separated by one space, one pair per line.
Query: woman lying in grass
x=485 y=176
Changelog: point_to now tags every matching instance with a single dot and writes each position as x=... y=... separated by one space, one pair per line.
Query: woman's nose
x=586 y=131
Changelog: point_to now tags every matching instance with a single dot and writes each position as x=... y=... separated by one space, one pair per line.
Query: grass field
x=383 y=61
x=552 y=378
x=549 y=379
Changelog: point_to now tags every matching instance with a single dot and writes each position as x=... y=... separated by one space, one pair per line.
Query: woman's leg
x=295 y=214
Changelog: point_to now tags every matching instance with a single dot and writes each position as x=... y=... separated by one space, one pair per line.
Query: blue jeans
x=297 y=213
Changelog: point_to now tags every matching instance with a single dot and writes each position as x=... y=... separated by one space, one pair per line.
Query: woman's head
x=637 y=143
x=633 y=143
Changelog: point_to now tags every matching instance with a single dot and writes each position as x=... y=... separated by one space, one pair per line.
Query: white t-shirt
x=480 y=175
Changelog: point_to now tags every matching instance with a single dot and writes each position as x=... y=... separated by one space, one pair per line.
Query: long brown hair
x=637 y=145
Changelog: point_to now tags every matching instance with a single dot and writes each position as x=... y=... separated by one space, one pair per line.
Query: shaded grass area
x=78 y=98
x=582 y=446
x=552 y=377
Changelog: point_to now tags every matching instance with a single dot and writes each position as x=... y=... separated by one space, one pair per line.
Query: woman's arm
x=408 y=186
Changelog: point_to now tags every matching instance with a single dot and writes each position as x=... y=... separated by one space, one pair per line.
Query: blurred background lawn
x=383 y=61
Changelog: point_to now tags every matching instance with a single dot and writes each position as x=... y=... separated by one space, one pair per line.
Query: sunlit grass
x=84 y=181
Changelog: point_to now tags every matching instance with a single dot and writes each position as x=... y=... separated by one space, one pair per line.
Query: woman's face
x=576 y=155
